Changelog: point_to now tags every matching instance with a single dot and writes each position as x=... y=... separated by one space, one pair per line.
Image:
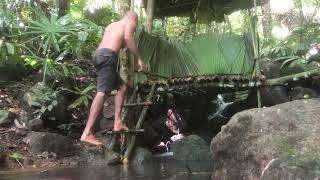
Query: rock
x=2 y=158
x=4 y=103
x=293 y=168
x=23 y=117
x=40 y=142
x=140 y=156
x=18 y=124
x=268 y=95
x=6 y=118
x=302 y=93
x=35 y=124
x=40 y=96
x=252 y=138
x=270 y=69
x=99 y=156
x=191 y=147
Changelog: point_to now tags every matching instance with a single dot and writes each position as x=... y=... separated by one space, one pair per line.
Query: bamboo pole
x=126 y=132
x=147 y=103
x=294 y=77
x=150 y=14
x=138 y=126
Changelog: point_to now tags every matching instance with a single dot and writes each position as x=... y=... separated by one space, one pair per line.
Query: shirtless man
x=105 y=61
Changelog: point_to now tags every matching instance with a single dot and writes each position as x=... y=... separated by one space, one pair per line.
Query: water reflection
x=158 y=170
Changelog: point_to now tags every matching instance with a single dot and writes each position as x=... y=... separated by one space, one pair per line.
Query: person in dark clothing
x=166 y=130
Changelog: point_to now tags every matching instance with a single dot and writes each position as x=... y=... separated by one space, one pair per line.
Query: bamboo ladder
x=137 y=129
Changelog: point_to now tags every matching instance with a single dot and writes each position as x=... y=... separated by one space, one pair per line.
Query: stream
x=156 y=170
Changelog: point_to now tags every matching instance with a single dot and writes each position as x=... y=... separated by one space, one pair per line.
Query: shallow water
x=159 y=170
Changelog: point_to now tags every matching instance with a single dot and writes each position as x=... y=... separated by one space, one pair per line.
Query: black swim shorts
x=106 y=61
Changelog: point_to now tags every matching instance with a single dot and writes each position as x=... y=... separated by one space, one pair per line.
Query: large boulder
x=41 y=142
x=6 y=118
x=140 y=156
x=46 y=103
x=192 y=147
x=253 y=138
x=306 y=167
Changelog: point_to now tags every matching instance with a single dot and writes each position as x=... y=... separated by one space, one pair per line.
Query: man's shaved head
x=131 y=14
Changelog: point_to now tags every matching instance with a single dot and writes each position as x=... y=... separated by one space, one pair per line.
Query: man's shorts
x=106 y=61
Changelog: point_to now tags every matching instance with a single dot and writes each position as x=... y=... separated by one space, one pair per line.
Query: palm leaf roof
x=206 y=54
x=200 y=10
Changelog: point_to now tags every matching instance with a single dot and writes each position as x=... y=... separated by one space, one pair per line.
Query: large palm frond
x=221 y=54
x=207 y=54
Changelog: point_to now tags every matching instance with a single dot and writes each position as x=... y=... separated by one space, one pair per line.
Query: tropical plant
x=17 y=157
x=44 y=103
x=84 y=96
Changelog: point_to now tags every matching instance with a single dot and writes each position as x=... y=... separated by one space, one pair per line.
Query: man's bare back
x=113 y=36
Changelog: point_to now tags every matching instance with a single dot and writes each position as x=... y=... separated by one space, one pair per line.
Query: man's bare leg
x=96 y=107
x=118 y=125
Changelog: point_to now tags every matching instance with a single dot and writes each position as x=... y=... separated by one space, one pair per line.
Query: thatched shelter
x=200 y=10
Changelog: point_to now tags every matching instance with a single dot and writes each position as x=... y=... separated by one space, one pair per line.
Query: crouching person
x=165 y=131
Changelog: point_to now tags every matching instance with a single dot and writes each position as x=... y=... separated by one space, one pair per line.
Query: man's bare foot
x=90 y=139
x=119 y=126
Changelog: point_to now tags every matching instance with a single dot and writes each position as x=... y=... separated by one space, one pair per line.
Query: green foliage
x=16 y=156
x=285 y=55
x=51 y=33
x=301 y=38
x=44 y=102
x=102 y=16
x=288 y=60
x=84 y=96
x=59 y=39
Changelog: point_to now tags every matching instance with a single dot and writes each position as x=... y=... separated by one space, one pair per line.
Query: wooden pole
x=150 y=14
x=138 y=126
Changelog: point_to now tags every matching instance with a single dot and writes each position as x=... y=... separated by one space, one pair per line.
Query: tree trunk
x=141 y=9
x=44 y=7
x=266 y=21
x=63 y=7
x=150 y=13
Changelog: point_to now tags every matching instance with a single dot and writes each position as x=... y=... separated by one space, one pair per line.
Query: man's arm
x=129 y=39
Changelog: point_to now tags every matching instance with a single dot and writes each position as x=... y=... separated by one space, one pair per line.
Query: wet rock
x=99 y=156
x=2 y=158
x=35 y=124
x=302 y=93
x=268 y=95
x=140 y=156
x=27 y=162
x=6 y=118
x=252 y=138
x=293 y=168
x=191 y=147
x=40 y=142
x=3 y=103
x=22 y=121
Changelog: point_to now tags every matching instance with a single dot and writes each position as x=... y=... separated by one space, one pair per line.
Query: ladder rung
x=147 y=103
x=125 y=132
